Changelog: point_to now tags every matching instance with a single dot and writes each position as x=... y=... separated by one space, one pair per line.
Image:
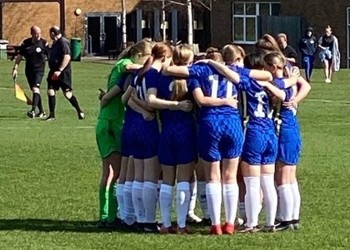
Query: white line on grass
x=6 y=88
x=326 y=101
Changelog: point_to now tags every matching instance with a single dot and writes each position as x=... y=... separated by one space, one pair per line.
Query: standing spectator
x=34 y=50
x=60 y=75
x=308 y=48
x=288 y=51
x=329 y=55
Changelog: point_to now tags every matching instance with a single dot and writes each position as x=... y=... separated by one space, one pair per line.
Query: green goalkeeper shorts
x=108 y=137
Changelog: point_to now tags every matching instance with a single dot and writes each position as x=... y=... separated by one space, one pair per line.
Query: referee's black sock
x=40 y=105
x=52 y=105
x=36 y=98
x=75 y=103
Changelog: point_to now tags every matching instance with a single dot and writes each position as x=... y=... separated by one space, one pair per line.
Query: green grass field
x=49 y=174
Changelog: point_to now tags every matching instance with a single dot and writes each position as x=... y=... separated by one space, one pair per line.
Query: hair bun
x=211 y=50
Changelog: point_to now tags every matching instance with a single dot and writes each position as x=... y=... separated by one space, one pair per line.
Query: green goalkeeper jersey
x=114 y=110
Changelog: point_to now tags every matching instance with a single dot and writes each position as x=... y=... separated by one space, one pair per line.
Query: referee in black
x=34 y=50
x=60 y=74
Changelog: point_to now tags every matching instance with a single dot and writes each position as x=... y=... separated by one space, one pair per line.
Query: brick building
x=18 y=16
x=238 y=21
x=100 y=22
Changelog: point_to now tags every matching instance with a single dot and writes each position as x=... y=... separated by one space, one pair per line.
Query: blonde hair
x=143 y=47
x=282 y=35
x=232 y=53
x=275 y=58
x=267 y=44
x=182 y=55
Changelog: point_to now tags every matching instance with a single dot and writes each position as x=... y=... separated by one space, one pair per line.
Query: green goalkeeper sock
x=112 y=203
x=103 y=204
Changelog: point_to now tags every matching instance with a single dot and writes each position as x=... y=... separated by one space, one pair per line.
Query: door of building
x=104 y=32
x=292 y=26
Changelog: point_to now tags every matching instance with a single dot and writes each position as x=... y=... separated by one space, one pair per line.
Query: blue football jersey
x=165 y=88
x=213 y=84
x=122 y=82
x=150 y=80
x=258 y=105
x=288 y=114
x=240 y=70
x=130 y=114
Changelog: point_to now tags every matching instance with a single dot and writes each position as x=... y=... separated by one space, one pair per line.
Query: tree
x=185 y=3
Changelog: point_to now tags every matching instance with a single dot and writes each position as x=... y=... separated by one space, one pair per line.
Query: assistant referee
x=34 y=50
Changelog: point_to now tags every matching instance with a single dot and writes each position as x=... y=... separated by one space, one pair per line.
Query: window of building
x=245 y=19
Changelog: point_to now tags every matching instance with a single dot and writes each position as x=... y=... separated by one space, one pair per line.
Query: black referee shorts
x=64 y=81
x=34 y=78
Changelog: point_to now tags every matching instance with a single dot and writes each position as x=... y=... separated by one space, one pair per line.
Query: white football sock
x=166 y=199
x=278 y=211
x=230 y=196
x=214 y=199
x=128 y=206
x=297 y=200
x=160 y=182
x=252 y=200
x=150 y=197
x=183 y=197
x=137 y=201
x=120 y=199
x=241 y=208
x=270 y=198
x=201 y=193
x=193 y=199
x=286 y=202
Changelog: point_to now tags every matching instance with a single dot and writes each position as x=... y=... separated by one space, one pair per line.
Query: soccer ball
x=77 y=12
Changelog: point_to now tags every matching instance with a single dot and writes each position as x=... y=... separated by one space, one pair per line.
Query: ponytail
x=180 y=91
x=159 y=51
x=144 y=70
x=125 y=53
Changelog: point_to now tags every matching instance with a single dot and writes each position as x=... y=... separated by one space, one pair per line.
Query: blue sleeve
x=243 y=71
x=279 y=83
x=121 y=83
x=195 y=70
x=151 y=78
x=289 y=94
x=244 y=84
x=134 y=78
x=192 y=84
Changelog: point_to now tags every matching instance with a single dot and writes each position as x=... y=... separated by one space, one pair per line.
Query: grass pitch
x=49 y=174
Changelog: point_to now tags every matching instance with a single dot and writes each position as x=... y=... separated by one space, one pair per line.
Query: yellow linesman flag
x=20 y=95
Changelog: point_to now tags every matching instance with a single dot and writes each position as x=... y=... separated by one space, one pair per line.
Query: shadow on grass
x=47 y=225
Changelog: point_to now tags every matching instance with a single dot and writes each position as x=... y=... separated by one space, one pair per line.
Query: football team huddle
x=221 y=126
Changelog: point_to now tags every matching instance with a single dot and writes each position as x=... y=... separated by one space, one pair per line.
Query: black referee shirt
x=60 y=48
x=34 y=53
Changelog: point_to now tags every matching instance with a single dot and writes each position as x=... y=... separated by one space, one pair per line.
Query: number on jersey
x=259 y=112
x=214 y=80
x=141 y=90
